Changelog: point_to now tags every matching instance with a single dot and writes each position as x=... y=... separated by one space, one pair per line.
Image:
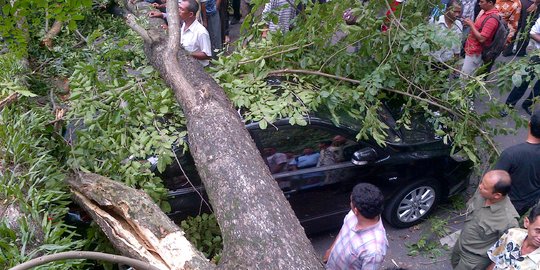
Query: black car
x=414 y=170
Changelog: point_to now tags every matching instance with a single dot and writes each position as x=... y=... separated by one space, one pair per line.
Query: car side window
x=182 y=173
x=301 y=147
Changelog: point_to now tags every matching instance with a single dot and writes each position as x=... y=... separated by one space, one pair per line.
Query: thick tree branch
x=173 y=19
x=132 y=23
x=8 y=100
x=51 y=34
x=77 y=255
x=135 y=224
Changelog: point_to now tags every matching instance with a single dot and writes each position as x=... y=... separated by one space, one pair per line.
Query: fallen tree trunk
x=259 y=228
x=134 y=224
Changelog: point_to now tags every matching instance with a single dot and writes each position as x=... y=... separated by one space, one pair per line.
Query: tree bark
x=259 y=228
x=51 y=34
x=134 y=223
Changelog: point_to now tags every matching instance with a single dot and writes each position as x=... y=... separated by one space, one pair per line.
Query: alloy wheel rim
x=416 y=204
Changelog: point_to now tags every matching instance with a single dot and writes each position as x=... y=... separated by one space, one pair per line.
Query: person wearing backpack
x=481 y=35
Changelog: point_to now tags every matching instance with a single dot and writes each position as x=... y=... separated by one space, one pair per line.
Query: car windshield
x=352 y=123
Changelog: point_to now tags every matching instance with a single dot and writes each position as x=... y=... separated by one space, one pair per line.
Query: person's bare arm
x=155 y=14
x=491 y=266
x=328 y=251
x=203 y=14
x=535 y=37
x=200 y=55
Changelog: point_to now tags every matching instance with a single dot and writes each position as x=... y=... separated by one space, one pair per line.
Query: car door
x=319 y=193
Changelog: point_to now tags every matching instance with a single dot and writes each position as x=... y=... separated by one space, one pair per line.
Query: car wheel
x=412 y=204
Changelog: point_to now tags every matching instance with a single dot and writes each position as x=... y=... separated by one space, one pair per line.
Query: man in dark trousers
x=522 y=162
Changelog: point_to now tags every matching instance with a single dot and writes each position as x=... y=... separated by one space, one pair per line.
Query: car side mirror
x=364 y=156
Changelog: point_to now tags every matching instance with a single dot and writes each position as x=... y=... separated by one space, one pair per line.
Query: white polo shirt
x=536 y=30
x=196 y=38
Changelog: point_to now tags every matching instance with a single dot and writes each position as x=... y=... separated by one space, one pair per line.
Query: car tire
x=412 y=204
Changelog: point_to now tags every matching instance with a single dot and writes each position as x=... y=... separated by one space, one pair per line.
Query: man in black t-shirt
x=522 y=162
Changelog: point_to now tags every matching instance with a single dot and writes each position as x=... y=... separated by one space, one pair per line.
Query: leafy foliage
x=204 y=233
x=428 y=244
x=121 y=113
x=32 y=183
x=352 y=70
x=26 y=20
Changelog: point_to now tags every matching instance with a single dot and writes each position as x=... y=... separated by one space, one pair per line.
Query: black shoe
x=507 y=53
x=527 y=109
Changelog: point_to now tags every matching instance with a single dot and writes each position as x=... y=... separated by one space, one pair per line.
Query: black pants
x=518 y=92
x=224 y=16
x=236 y=9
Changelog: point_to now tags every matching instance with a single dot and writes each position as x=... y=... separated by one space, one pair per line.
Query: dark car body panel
x=320 y=196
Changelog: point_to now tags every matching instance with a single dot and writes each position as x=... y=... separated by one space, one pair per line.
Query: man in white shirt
x=195 y=38
x=519 y=91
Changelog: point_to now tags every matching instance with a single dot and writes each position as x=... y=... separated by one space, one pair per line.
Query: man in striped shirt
x=284 y=10
x=361 y=242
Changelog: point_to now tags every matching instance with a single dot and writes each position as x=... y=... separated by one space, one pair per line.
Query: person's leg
x=535 y=93
x=236 y=11
x=516 y=93
x=470 y=64
x=214 y=30
x=224 y=16
x=524 y=38
x=455 y=255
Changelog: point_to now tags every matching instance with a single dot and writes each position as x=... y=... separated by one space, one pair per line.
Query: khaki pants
x=463 y=260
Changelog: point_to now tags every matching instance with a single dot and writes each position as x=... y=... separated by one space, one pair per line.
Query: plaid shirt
x=468 y=9
x=358 y=249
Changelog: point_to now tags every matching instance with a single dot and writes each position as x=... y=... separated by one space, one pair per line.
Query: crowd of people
x=491 y=237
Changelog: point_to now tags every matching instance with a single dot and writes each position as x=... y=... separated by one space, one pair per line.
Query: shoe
x=507 y=53
x=503 y=113
x=527 y=109
x=520 y=54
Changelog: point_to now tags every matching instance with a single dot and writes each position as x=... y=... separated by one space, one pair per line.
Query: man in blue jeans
x=212 y=22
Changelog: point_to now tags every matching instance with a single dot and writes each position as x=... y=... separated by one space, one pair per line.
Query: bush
x=203 y=232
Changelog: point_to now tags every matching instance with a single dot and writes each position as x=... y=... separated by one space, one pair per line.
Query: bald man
x=489 y=214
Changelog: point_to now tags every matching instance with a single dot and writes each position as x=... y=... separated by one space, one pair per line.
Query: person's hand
x=155 y=14
x=155 y=5
x=264 y=33
x=164 y=26
x=326 y=255
x=468 y=22
x=532 y=8
x=348 y=17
